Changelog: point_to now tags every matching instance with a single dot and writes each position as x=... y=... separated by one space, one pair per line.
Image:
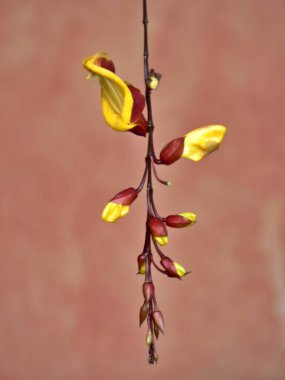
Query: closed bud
x=158 y=320
x=158 y=230
x=172 y=151
x=156 y=331
x=143 y=313
x=153 y=80
x=172 y=268
x=181 y=220
x=148 y=291
x=141 y=263
x=118 y=206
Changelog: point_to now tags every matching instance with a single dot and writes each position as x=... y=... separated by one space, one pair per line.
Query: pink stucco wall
x=69 y=294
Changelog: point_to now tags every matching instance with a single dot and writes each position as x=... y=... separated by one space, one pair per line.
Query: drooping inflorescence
x=122 y=107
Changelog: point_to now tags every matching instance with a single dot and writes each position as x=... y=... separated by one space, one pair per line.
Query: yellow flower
x=195 y=145
x=119 y=205
x=203 y=141
x=122 y=103
x=114 y=211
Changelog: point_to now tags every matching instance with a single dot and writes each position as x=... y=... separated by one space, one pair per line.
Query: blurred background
x=69 y=292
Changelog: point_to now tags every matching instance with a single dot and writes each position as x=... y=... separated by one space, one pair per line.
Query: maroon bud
x=172 y=151
x=158 y=320
x=125 y=197
x=143 y=313
x=178 y=221
x=168 y=265
x=148 y=291
x=157 y=227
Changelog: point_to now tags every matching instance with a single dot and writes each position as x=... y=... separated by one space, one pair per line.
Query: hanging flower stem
x=122 y=107
x=151 y=210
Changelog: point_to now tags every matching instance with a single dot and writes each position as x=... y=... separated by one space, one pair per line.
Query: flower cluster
x=122 y=107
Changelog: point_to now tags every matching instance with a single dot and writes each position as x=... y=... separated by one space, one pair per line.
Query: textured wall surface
x=69 y=294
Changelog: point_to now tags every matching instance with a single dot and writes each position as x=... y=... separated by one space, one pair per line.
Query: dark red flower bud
x=158 y=320
x=157 y=227
x=148 y=291
x=125 y=197
x=158 y=230
x=172 y=151
x=172 y=268
x=143 y=312
x=181 y=220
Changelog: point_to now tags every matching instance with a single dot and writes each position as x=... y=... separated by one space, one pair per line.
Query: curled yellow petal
x=190 y=216
x=162 y=240
x=116 y=98
x=179 y=269
x=114 y=211
x=202 y=141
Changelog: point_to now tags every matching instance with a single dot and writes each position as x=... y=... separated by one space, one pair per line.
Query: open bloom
x=195 y=145
x=181 y=220
x=122 y=103
x=119 y=205
x=172 y=268
x=158 y=230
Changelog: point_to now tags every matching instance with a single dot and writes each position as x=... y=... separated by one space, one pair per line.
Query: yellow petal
x=142 y=269
x=114 y=211
x=162 y=240
x=202 y=141
x=190 y=216
x=116 y=98
x=179 y=268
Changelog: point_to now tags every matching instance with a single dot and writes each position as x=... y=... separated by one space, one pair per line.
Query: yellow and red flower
x=172 y=268
x=119 y=205
x=195 y=145
x=122 y=103
x=181 y=220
